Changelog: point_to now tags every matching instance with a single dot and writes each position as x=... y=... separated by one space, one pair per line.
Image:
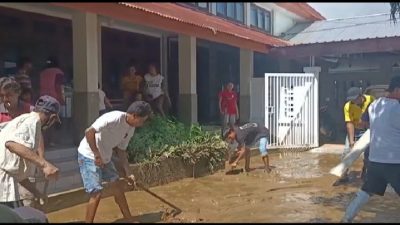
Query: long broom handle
x=156 y=196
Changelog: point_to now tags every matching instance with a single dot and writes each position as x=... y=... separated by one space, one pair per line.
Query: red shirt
x=228 y=102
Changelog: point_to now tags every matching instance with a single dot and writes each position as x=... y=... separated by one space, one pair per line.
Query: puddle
x=299 y=189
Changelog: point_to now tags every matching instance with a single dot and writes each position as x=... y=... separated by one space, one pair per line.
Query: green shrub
x=170 y=138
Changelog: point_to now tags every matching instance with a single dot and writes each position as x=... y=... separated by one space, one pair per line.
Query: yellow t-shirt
x=353 y=112
x=131 y=84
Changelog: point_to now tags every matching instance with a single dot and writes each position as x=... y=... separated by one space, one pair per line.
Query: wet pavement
x=299 y=189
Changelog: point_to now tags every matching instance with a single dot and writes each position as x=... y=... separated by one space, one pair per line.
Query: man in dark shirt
x=246 y=136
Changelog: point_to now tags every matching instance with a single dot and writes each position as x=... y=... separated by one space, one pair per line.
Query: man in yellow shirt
x=131 y=85
x=356 y=105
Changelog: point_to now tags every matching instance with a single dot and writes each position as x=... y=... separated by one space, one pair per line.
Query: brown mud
x=299 y=189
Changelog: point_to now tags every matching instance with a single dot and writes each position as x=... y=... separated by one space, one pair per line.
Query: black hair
x=22 y=61
x=140 y=108
x=153 y=65
x=394 y=83
x=228 y=131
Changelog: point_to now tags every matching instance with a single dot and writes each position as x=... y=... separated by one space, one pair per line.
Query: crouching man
x=247 y=135
x=110 y=132
x=18 y=150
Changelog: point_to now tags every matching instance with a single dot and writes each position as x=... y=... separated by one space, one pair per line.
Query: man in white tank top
x=155 y=89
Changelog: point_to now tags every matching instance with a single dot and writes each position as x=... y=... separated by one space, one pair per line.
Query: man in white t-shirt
x=103 y=101
x=383 y=167
x=110 y=132
x=19 y=142
x=156 y=90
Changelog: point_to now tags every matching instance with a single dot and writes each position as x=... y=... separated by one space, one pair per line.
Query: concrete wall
x=343 y=83
x=282 y=19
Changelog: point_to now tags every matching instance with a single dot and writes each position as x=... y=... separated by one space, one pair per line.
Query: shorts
x=263 y=146
x=93 y=176
x=228 y=119
x=379 y=176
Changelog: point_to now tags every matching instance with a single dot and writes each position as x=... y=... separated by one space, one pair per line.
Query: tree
x=394 y=11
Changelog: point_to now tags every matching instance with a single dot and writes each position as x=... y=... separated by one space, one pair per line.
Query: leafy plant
x=163 y=138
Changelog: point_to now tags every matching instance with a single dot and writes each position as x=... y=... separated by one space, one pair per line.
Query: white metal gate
x=291 y=101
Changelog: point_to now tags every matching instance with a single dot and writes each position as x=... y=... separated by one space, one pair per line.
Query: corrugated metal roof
x=215 y=24
x=347 y=29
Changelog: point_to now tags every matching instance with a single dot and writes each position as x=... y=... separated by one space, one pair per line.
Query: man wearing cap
x=384 y=158
x=353 y=110
x=19 y=142
x=110 y=133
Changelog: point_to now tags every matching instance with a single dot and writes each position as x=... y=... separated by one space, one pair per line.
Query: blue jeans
x=92 y=175
x=263 y=146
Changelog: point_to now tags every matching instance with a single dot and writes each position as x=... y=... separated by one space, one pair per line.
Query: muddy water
x=299 y=189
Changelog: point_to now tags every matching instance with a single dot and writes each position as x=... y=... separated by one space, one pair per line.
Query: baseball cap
x=353 y=93
x=48 y=104
x=394 y=83
x=140 y=108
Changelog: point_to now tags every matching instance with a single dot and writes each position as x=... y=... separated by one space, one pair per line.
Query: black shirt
x=249 y=133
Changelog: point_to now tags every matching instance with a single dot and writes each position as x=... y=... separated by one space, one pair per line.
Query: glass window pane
x=267 y=24
x=253 y=16
x=231 y=10
x=260 y=19
x=239 y=12
x=221 y=8
x=203 y=5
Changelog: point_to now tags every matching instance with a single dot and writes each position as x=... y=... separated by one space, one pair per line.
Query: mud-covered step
x=65 y=153
x=64 y=183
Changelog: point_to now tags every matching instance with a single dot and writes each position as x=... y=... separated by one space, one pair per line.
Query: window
x=221 y=8
x=231 y=10
x=200 y=5
x=253 y=13
x=240 y=11
x=260 y=18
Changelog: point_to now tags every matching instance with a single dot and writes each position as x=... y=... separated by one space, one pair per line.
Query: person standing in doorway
x=353 y=110
x=23 y=77
x=383 y=167
x=156 y=90
x=52 y=84
x=228 y=106
x=103 y=102
x=131 y=84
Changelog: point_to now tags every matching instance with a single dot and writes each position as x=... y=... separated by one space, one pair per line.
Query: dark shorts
x=379 y=176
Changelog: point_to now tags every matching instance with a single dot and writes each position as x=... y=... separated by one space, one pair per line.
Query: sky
x=332 y=10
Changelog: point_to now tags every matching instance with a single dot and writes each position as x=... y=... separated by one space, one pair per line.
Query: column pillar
x=187 y=79
x=315 y=70
x=246 y=73
x=85 y=31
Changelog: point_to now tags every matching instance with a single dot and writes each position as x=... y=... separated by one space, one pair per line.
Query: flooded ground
x=299 y=189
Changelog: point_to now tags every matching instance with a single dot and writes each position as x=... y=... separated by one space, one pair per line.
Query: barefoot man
x=246 y=136
x=110 y=132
